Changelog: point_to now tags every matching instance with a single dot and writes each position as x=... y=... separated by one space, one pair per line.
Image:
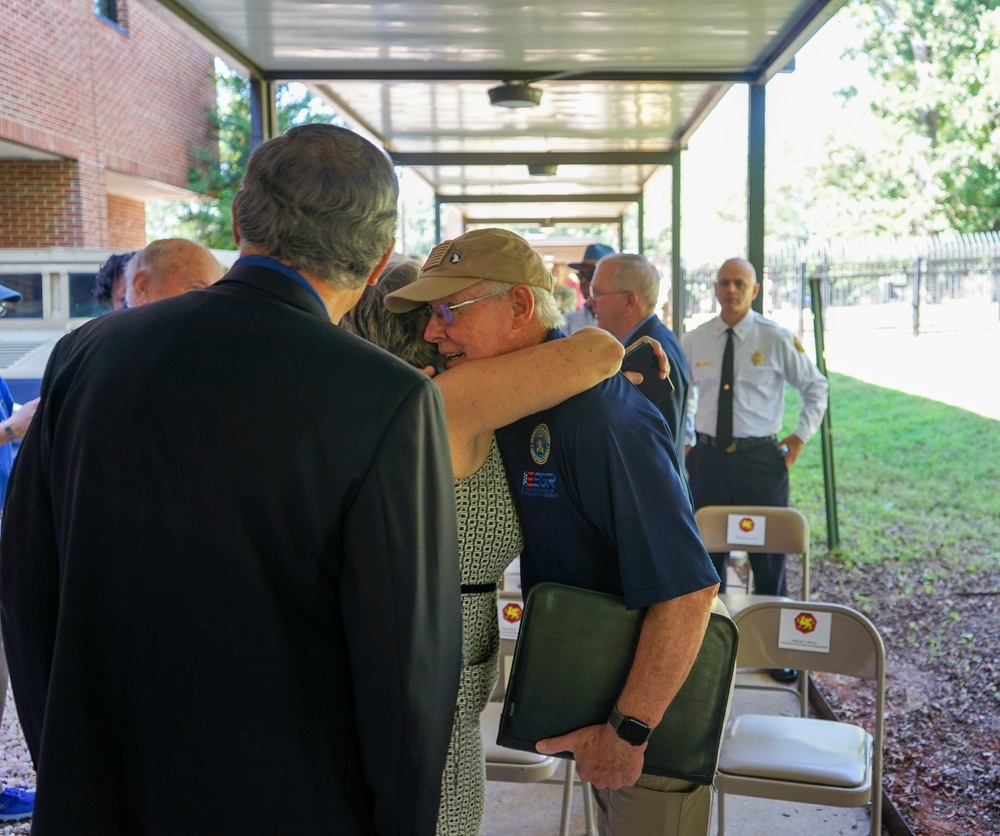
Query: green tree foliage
x=217 y=176
x=936 y=64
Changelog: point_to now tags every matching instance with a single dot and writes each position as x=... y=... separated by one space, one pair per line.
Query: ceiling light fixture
x=542 y=169
x=515 y=94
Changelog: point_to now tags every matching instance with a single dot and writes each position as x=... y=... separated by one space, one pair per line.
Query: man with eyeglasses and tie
x=740 y=362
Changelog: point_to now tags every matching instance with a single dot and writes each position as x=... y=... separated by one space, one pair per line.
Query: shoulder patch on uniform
x=541 y=444
x=798 y=345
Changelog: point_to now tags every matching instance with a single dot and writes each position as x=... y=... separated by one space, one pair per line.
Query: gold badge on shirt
x=757 y=357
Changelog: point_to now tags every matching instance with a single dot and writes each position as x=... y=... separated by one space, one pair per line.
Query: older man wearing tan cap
x=603 y=506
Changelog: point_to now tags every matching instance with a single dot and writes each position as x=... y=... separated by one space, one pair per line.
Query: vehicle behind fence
x=918 y=284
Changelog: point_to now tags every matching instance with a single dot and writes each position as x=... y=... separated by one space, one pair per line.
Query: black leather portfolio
x=573 y=655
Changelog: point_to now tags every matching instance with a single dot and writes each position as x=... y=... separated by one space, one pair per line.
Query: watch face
x=633 y=731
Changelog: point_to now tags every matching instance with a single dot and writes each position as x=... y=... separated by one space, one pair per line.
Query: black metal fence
x=918 y=284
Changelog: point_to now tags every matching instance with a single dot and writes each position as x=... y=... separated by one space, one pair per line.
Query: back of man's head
x=321 y=199
x=635 y=272
x=169 y=267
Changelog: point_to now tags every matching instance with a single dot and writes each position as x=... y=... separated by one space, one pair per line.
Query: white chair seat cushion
x=489 y=725
x=796 y=749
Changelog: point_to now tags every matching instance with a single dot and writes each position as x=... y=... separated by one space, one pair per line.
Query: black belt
x=478 y=588
x=738 y=445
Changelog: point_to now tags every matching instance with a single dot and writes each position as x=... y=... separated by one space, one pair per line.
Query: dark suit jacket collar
x=273 y=283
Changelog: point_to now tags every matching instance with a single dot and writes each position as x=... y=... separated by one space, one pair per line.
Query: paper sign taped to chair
x=800 y=629
x=746 y=529
x=509 y=618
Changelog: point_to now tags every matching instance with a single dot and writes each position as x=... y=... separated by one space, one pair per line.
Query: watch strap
x=629 y=729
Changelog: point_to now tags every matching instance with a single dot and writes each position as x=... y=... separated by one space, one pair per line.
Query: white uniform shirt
x=765 y=356
x=580 y=318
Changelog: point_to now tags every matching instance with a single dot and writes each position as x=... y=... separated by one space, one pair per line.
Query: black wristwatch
x=632 y=731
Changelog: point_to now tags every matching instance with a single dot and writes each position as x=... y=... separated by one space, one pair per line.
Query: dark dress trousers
x=229 y=578
x=674 y=408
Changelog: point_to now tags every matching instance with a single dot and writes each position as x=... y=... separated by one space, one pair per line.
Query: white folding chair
x=799 y=758
x=512 y=765
x=785 y=531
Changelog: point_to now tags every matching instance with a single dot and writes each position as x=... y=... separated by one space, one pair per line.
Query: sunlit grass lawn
x=915 y=479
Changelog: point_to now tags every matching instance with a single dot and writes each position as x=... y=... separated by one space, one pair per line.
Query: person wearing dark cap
x=603 y=505
x=16 y=803
x=584 y=315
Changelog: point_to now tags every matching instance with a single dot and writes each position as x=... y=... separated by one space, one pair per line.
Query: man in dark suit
x=230 y=585
x=624 y=291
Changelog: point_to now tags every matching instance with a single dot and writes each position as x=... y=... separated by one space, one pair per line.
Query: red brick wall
x=39 y=204
x=71 y=84
x=126 y=223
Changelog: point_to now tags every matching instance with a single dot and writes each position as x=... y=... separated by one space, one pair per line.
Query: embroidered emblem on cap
x=455 y=257
x=541 y=444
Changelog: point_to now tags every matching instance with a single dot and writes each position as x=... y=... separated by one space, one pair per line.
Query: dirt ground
x=942 y=756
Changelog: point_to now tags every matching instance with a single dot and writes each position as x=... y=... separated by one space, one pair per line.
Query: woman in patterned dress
x=479 y=397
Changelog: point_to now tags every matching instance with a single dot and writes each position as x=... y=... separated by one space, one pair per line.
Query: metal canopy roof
x=624 y=84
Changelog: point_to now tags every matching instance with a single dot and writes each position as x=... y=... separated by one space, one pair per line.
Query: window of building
x=113 y=11
x=29 y=285
x=108 y=9
x=81 y=302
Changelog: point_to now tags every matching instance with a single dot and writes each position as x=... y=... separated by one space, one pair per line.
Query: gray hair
x=399 y=334
x=321 y=198
x=635 y=272
x=547 y=311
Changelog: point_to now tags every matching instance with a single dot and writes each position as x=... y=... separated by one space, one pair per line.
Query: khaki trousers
x=657 y=806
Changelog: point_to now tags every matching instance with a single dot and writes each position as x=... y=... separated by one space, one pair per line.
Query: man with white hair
x=624 y=293
x=603 y=505
x=169 y=267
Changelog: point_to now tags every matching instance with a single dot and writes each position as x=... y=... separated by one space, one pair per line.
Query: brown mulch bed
x=942 y=755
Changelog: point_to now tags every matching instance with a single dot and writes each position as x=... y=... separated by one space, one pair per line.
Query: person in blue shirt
x=16 y=803
x=603 y=505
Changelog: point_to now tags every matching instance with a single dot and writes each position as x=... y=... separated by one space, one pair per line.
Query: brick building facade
x=97 y=115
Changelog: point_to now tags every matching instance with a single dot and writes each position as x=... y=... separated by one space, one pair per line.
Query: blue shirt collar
x=278 y=267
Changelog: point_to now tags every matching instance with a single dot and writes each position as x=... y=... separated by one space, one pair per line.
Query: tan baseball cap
x=495 y=255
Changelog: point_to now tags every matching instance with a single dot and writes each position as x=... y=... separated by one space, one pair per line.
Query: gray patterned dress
x=489 y=538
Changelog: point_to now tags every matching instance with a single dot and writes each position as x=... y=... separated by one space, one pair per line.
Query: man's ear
x=523 y=305
x=373 y=278
x=141 y=281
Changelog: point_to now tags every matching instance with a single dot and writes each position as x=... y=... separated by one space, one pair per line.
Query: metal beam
x=630 y=197
x=498 y=75
x=544 y=222
x=811 y=19
x=678 y=302
x=755 y=186
x=263 y=111
x=614 y=158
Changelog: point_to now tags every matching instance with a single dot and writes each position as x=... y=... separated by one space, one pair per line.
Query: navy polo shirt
x=601 y=499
